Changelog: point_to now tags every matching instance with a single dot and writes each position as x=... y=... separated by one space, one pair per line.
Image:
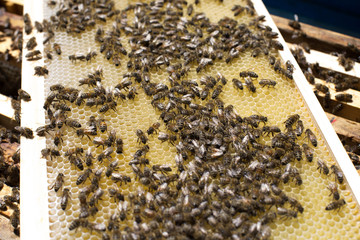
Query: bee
x=289 y=66
x=161 y=168
x=299 y=128
x=113 y=166
x=250 y=85
x=267 y=82
x=96 y=197
x=334 y=191
x=322 y=167
x=308 y=151
x=295 y=204
x=39 y=27
x=74 y=124
x=139 y=161
x=24 y=131
x=190 y=9
x=119 y=145
x=57 y=48
x=216 y=92
x=322 y=88
x=90 y=55
x=309 y=77
x=167 y=137
x=221 y=78
x=102 y=125
x=41 y=71
x=287 y=213
x=65 y=198
x=271 y=130
x=237 y=84
x=92 y=122
x=117 y=177
x=106 y=107
x=89 y=157
x=74 y=151
x=86 y=132
x=142 y=151
x=311 y=136
x=46 y=152
x=82 y=177
x=116 y=194
x=58 y=138
x=204 y=62
x=15 y=218
x=59 y=181
x=291 y=120
x=123 y=208
x=344 y=97
x=337 y=204
x=338 y=173
x=337 y=108
x=153 y=128
x=141 y=136
x=132 y=93
x=75 y=160
x=33 y=55
x=24 y=95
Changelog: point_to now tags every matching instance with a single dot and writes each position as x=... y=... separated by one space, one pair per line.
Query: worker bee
x=311 y=136
x=74 y=151
x=65 y=198
x=141 y=136
x=322 y=88
x=57 y=137
x=344 y=97
x=82 y=177
x=153 y=128
x=139 y=161
x=33 y=55
x=46 y=152
x=167 y=137
x=41 y=71
x=24 y=95
x=119 y=145
x=216 y=92
x=334 y=191
x=89 y=157
x=289 y=66
x=161 y=168
x=308 y=151
x=322 y=167
x=113 y=166
x=106 y=107
x=116 y=194
x=251 y=74
x=102 y=125
x=117 y=177
x=25 y=132
x=337 y=204
x=75 y=160
x=57 y=48
x=90 y=55
x=267 y=82
x=132 y=93
x=287 y=213
x=250 y=85
x=237 y=84
x=299 y=128
x=291 y=120
x=15 y=218
x=338 y=173
x=75 y=124
x=96 y=197
x=295 y=204
x=59 y=181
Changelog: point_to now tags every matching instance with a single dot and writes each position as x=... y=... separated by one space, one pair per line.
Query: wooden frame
x=34 y=211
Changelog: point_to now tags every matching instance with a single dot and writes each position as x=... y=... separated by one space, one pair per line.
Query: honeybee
x=267 y=82
x=153 y=128
x=311 y=136
x=46 y=152
x=57 y=137
x=24 y=131
x=102 y=125
x=251 y=74
x=334 y=191
x=132 y=93
x=41 y=71
x=24 y=95
x=57 y=48
x=216 y=92
x=96 y=197
x=337 y=204
x=291 y=120
x=108 y=106
x=116 y=194
x=250 y=85
x=322 y=167
x=73 y=123
x=65 y=198
x=117 y=177
x=75 y=160
x=237 y=84
x=287 y=213
x=89 y=157
x=119 y=145
x=59 y=181
x=86 y=132
x=74 y=151
x=141 y=136
x=338 y=173
x=82 y=177
x=308 y=151
x=33 y=55
x=90 y=55
x=162 y=168
x=322 y=88
x=344 y=97
x=295 y=204
x=113 y=166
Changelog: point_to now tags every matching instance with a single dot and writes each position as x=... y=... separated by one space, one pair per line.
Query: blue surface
x=338 y=15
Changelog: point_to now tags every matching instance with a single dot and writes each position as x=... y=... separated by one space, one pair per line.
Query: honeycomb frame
x=34 y=177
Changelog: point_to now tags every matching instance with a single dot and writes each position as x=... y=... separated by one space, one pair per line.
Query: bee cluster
x=229 y=171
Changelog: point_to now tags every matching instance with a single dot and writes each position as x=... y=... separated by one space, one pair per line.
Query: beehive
x=275 y=103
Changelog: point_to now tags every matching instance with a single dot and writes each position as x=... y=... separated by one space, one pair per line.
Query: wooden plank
x=34 y=211
x=318 y=38
x=6 y=112
x=318 y=114
x=16 y=21
x=345 y=127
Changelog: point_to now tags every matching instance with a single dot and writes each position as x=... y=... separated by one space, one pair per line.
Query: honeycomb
x=276 y=103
